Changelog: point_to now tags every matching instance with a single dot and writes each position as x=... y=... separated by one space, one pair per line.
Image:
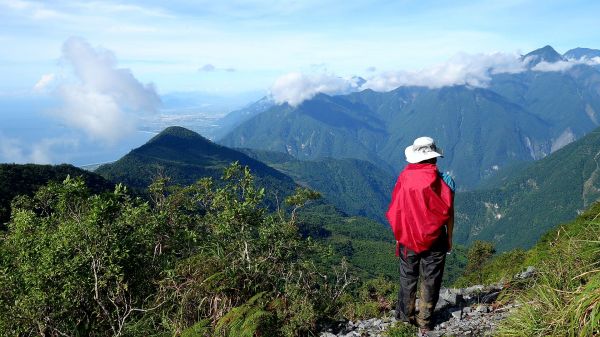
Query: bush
x=200 y=260
x=501 y=267
x=372 y=299
x=401 y=330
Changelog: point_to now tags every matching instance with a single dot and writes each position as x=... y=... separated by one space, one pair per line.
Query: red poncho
x=421 y=205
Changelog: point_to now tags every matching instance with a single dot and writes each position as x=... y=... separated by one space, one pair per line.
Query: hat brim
x=414 y=157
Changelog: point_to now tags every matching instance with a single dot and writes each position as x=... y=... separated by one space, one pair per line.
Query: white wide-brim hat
x=423 y=148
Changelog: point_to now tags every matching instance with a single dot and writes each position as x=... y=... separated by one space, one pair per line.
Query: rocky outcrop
x=471 y=311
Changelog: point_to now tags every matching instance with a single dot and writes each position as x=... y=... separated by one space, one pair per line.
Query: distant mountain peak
x=581 y=53
x=177 y=132
x=544 y=54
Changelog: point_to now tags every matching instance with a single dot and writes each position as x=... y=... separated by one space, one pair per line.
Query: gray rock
x=482 y=308
x=529 y=272
x=452 y=296
x=490 y=297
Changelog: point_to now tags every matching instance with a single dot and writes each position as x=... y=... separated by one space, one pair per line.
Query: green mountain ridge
x=528 y=201
x=184 y=156
x=354 y=186
x=518 y=117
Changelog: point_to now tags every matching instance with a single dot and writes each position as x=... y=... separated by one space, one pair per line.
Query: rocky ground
x=471 y=311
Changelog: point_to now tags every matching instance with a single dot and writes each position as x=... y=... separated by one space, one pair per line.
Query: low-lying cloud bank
x=13 y=150
x=565 y=65
x=474 y=70
x=462 y=69
x=296 y=87
x=100 y=99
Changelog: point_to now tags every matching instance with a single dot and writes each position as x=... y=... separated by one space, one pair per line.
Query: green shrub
x=202 y=260
x=372 y=299
x=501 y=267
x=401 y=329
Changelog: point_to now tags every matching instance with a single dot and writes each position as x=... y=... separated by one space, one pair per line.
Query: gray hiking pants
x=430 y=266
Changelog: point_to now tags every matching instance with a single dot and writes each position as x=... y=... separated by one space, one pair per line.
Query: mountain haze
x=518 y=117
x=580 y=53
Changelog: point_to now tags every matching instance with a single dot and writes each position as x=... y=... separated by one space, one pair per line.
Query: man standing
x=421 y=215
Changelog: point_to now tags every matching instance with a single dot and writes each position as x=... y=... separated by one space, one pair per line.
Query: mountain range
x=354 y=186
x=184 y=157
x=522 y=203
x=518 y=117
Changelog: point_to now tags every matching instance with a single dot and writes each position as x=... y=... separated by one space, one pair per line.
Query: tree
x=479 y=253
x=205 y=259
x=78 y=264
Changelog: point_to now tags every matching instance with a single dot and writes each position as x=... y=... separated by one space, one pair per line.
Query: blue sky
x=79 y=80
x=251 y=43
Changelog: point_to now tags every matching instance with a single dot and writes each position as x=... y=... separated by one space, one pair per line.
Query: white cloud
x=35 y=10
x=565 y=65
x=463 y=69
x=294 y=88
x=13 y=150
x=43 y=83
x=474 y=70
x=104 y=101
x=554 y=66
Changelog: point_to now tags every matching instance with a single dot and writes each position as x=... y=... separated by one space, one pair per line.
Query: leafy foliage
x=205 y=259
x=401 y=329
x=372 y=299
x=26 y=179
x=477 y=255
x=500 y=267
x=79 y=264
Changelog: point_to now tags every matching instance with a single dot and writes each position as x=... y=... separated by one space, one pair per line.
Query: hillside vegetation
x=185 y=156
x=356 y=187
x=528 y=201
x=518 y=117
x=201 y=260
x=16 y=179
x=563 y=299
